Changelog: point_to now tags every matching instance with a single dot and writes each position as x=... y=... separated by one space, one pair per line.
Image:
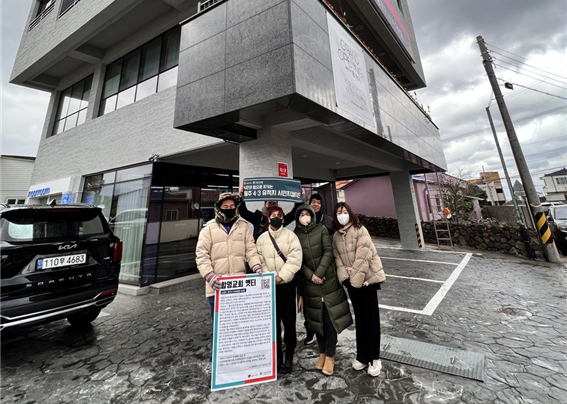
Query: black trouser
x=328 y=342
x=301 y=293
x=367 y=322
x=285 y=313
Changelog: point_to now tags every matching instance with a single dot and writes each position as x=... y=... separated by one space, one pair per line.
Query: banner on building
x=271 y=189
x=349 y=73
x=390 y=14
x=244 y=333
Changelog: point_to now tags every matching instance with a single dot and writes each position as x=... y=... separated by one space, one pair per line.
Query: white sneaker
x=375 y=368
x=356 y=365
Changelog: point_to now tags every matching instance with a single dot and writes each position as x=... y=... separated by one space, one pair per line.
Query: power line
x=521 y=57
x=531 y=77
x=523 y=89
x=533 y=89
x=522 y=68
x=530 y=66
x=546 y=112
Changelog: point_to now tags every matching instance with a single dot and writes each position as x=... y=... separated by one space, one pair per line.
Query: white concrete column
x=406 y=209
x=260 y=157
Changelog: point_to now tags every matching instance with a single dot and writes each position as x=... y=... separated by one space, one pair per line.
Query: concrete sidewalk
x=155 y=348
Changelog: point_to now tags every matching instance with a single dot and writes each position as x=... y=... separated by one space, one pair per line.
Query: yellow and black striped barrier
x=543 y=228
x=419 y=243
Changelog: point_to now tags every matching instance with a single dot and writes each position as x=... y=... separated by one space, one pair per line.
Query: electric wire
x=519 y=61
x=546 y=112
x=508 y=97
x=533 y=89
x=523 y=66
x=531 y=77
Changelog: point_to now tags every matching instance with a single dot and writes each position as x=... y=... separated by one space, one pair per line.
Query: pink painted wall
x=372 y=196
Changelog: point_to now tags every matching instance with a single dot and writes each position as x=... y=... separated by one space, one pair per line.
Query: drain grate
x=435 y=357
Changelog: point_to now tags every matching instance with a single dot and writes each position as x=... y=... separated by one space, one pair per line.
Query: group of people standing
x=320 y=258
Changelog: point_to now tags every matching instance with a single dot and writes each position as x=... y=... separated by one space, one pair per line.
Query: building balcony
x=238 y=65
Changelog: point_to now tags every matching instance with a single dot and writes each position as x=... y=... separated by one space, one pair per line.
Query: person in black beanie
x=259 y=219
x=316 y=202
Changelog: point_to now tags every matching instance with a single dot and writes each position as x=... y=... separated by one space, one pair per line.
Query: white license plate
x=63 y=261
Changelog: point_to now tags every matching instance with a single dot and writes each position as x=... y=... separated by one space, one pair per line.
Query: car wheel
x=83 y=318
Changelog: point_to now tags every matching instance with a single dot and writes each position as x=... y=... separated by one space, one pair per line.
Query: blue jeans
x=212 y=303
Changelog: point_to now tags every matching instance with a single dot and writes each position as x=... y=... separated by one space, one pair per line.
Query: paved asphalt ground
x=155 y=348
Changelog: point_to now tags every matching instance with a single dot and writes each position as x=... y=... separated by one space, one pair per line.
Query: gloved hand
x=258 y=270
x=316 y=280
x=212 y=279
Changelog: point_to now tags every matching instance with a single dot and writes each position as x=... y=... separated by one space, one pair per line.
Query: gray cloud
x=458 y=90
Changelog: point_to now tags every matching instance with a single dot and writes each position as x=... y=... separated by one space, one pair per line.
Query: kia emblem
x=67 y=246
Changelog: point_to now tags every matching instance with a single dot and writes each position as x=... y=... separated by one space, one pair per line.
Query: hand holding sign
x=272 y=189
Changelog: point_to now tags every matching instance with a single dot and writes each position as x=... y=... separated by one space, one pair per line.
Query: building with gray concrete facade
x=158 y=105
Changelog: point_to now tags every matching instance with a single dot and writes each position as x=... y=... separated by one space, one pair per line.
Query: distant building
x=374 y=196
x=15 y=177
x=491 y=184
x=555 y=185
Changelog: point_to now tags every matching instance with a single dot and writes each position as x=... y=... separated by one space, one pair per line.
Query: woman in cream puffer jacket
x=285 y=269
x=359 y=268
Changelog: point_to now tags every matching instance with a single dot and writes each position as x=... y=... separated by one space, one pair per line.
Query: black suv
x=57 y=262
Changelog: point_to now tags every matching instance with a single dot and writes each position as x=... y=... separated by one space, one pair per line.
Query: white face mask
x=305 y=220
x=343 y=218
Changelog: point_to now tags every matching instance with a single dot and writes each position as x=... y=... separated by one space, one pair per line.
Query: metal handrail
x=63 y=12
x=203 y=5
x=40 y=17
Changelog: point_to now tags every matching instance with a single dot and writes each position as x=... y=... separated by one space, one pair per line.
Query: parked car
x=57 y=262
x=557 y=216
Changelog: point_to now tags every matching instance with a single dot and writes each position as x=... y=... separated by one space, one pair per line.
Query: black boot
x=309 y=337
x=287 y=366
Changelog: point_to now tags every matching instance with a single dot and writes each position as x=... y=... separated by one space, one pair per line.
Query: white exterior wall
x=555 y=187
x=15 y=177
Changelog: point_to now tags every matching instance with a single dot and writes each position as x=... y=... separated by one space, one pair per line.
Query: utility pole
x=549 y=249
x=523 y=232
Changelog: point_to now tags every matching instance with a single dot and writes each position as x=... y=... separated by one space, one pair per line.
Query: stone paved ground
x=154 y=348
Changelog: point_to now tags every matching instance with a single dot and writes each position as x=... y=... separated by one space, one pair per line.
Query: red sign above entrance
x=282 y=170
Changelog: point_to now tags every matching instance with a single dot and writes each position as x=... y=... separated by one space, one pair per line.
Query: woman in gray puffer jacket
x=327 y=309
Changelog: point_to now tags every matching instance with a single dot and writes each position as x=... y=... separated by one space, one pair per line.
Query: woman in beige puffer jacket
x=224 y=246
x=285 y=268
x=359 y=268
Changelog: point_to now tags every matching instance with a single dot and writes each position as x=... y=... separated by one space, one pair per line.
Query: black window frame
x=66 y=5
x=142 y=77
x=85 y=93
x=44 y=5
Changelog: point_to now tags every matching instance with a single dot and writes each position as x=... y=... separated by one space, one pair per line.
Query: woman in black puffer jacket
x=328 y=312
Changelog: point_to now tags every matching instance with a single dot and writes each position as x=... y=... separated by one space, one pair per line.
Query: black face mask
x=228 y=213
x=276 y=222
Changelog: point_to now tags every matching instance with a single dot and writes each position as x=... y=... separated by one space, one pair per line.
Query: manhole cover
x=435 y=357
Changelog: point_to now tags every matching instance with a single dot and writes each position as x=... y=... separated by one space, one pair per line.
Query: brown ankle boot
x=320 y=361
x=329 y=365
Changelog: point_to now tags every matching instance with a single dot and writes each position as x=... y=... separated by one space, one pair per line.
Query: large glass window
x=123 y=196
x=73 y=104
x=144 y=71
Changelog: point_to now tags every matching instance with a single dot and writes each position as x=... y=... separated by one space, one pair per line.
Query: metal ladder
x=436 y=206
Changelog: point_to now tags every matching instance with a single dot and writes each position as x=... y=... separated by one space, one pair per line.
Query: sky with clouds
x=531 y=40
x=529 y=36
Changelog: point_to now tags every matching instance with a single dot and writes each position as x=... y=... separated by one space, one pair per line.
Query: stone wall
x=487 y=235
